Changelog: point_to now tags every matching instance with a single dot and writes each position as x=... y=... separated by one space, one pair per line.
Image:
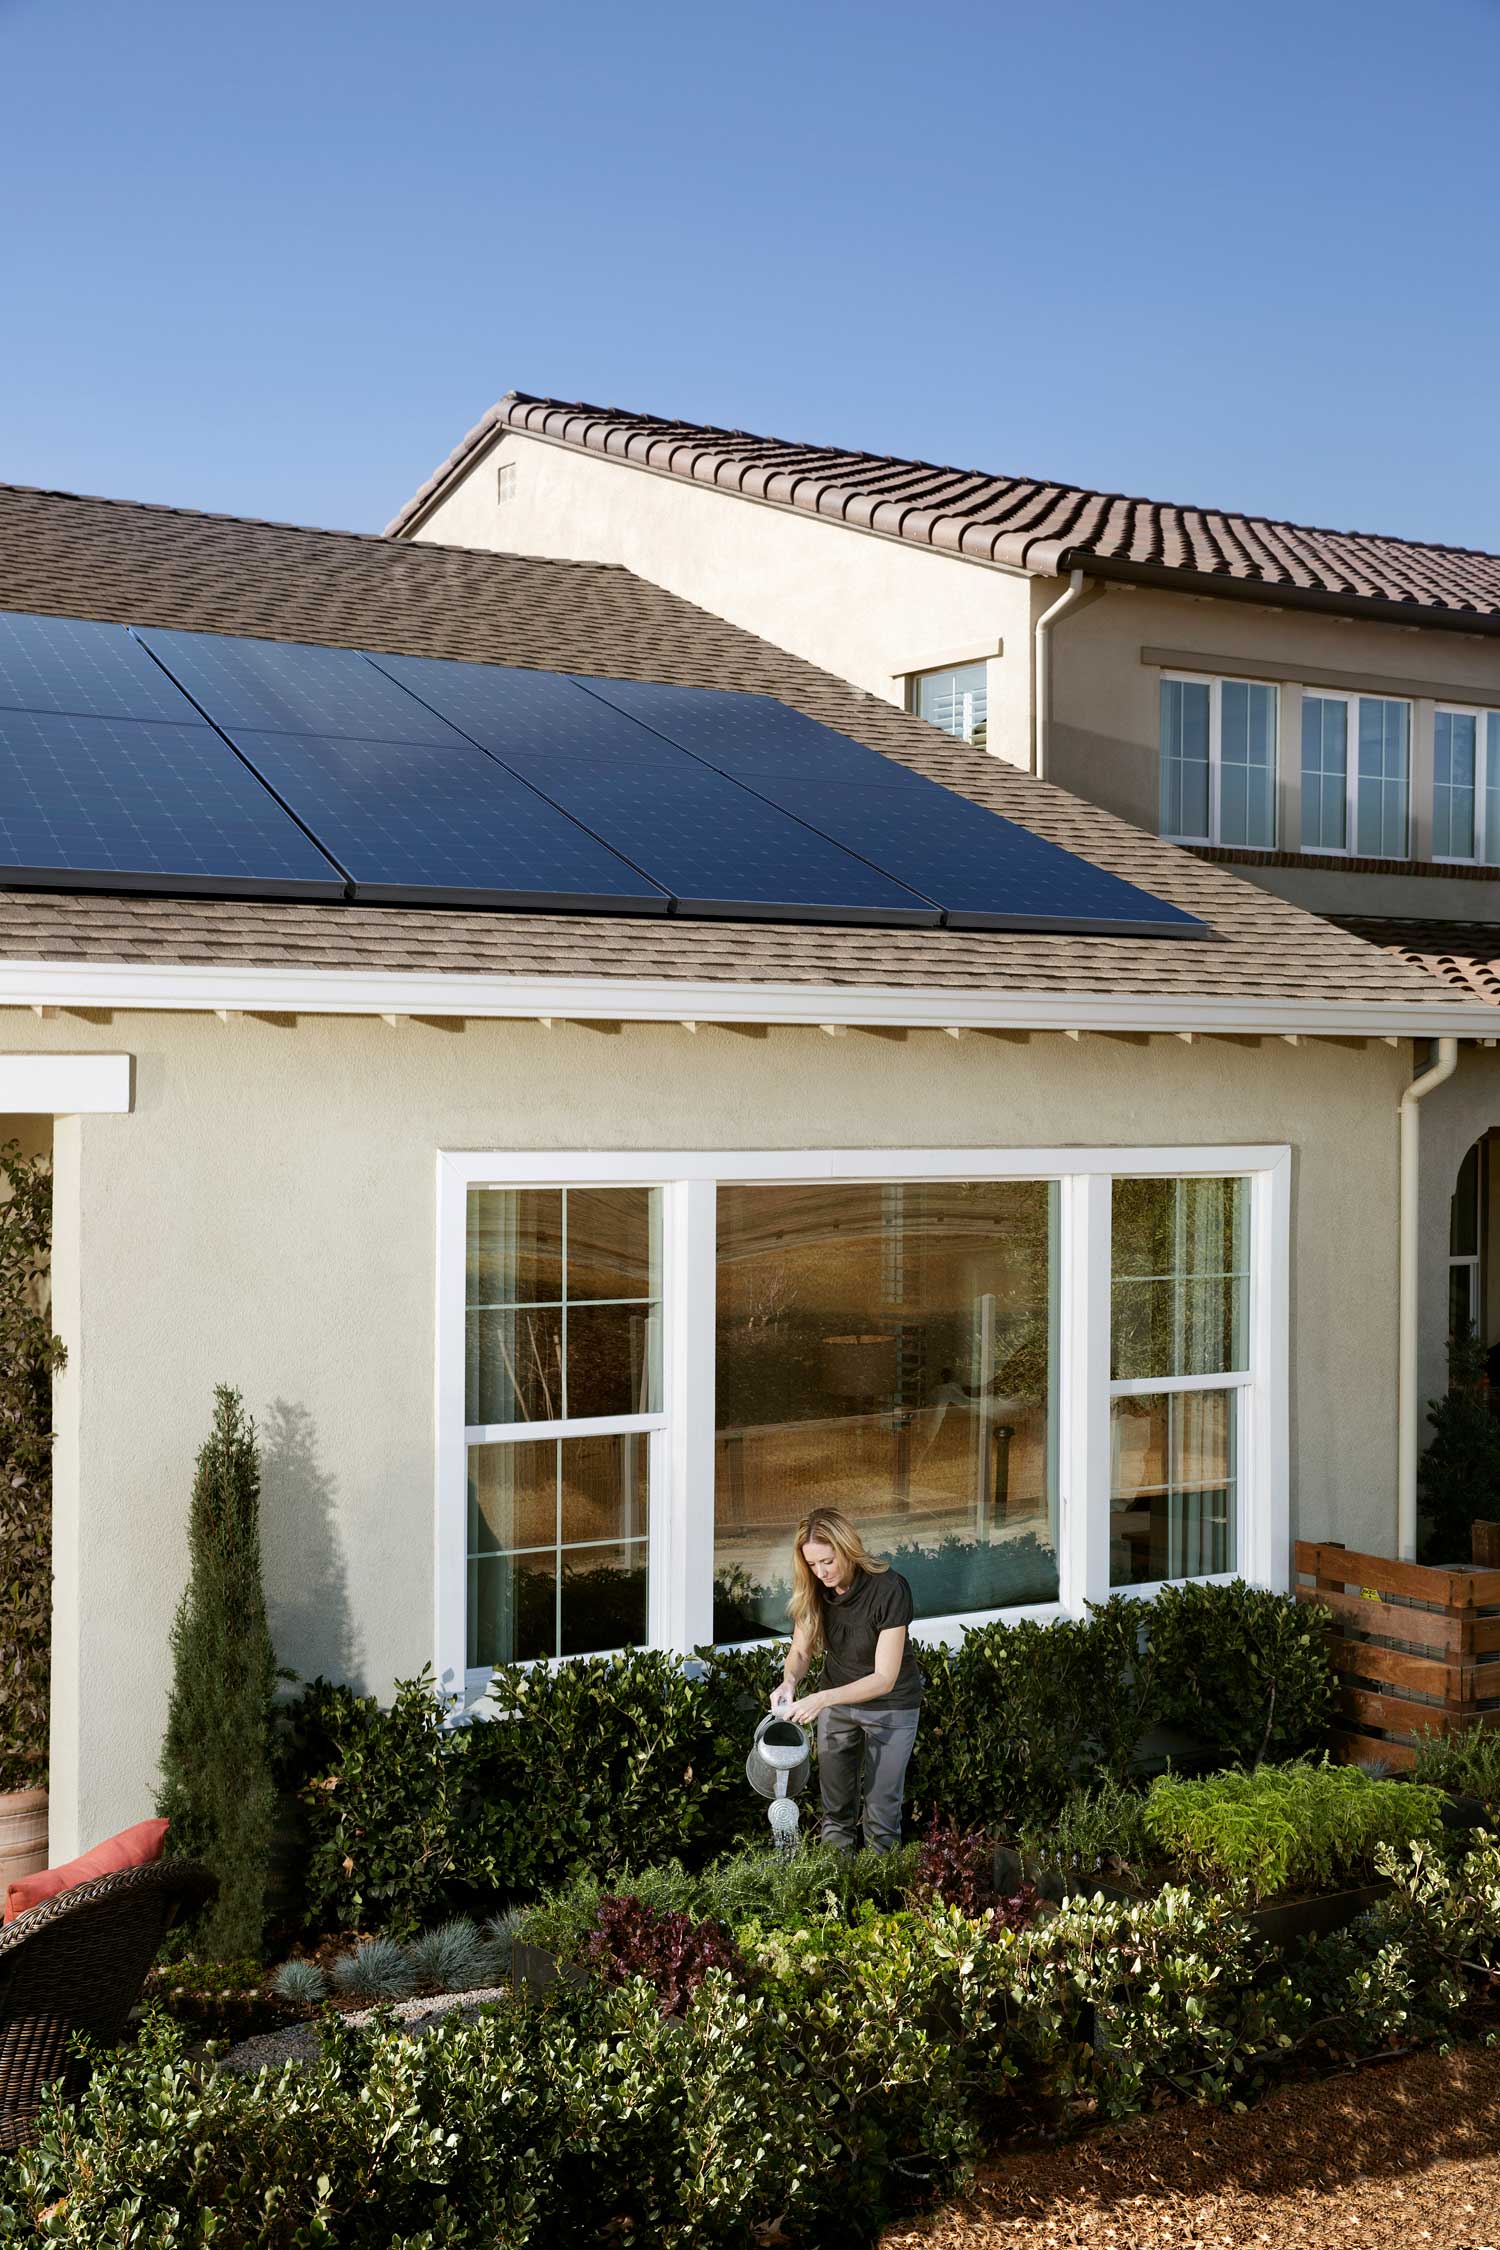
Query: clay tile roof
x=1464 y=956
x=1023 y=522
x=116 y=560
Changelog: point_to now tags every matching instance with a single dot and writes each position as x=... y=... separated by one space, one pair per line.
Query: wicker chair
x=77 y=1963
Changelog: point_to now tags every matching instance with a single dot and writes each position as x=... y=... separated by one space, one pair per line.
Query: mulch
x=1403 y=2156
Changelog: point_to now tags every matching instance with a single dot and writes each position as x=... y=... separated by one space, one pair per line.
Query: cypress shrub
x=216 y=1781
x=1458 y=1480
x=29 y=1355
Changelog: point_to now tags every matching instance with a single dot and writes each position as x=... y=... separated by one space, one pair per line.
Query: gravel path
x=270 y=2049
x=1403 y=2156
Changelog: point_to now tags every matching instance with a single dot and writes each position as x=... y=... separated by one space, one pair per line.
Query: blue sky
x=276 y=259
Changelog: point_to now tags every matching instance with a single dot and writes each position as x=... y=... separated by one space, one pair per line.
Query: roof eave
x=1264 y=593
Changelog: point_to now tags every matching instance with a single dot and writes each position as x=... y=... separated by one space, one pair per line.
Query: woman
x=854 y=1610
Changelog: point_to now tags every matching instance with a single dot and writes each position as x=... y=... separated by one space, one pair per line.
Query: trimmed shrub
x=30 y=1355
x=216 y=1784
x=1242 y=1668
x=609 y=1764
x=1282 y=1828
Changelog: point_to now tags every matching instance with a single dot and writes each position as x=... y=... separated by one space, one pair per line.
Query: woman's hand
x=807 y=1708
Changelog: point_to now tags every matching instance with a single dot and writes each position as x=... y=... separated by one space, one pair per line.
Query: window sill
x=1463 y=871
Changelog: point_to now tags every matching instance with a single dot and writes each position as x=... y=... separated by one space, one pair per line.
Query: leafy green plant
x=451 y=1958
x=1468 y=1764
x=1279 y=1828
x=30 y=1355
x=671 y=1951
x=301 y=1983
x=380 y=1969
x=1094 y=1832
x=1244 y=1669
x=216 y=1783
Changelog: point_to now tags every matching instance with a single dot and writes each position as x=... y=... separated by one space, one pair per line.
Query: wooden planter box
x=1416 y=1646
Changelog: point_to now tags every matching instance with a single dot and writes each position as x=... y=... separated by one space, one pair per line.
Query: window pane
x=1492 y=788
x=1181 y=1278
x=886 y=1350
x=1247 y=764
x=558 y=1548
x=515 y=1246
x=603 y=1599
x=1463 y=1219
x=1184 y=758
x=1325 y=773
x=514 y=1370
x=1384 y=733
x=530 y=1361
x=612 y=1250
x=1172 y=1488
x=955 y=700
x=512 y=1497
x=613 y=1360
x=1454 y=766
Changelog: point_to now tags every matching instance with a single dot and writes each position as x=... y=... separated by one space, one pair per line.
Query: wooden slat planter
x=1425 y=1654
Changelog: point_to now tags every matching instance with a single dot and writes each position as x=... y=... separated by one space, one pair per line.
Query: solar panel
x=986 y=872
x=75 y=665
x=135 y=804
x=718 y=848
x=446 y=825
x=293 y=688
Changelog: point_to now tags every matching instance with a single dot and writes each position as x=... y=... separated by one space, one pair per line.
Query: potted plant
x=29 y=1356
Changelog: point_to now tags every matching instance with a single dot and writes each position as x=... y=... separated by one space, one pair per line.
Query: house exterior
x=1319 y=710
x=565 y=1259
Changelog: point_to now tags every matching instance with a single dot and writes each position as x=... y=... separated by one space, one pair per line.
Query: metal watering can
x=779 y=1767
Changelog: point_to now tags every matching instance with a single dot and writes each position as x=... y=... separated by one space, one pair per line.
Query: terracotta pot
x=23 y=1835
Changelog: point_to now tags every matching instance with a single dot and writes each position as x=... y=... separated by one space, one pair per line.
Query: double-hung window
x=1356 y=775
x=1466 y=785
x=562 y=1411
x=1028 y=1376
x=1218 y=762
x=955 y=699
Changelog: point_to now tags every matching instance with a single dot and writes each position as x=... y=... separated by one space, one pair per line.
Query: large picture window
x=1032 y=1378
x=886 y=1350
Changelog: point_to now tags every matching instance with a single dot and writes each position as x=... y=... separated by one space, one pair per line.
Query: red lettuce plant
x=957 y=1866
x=669 y=1950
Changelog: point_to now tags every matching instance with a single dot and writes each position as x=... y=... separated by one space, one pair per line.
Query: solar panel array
x=147 y=759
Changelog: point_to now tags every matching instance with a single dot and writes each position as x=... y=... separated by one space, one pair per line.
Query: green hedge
x=611 y=1763
x=850 y=2074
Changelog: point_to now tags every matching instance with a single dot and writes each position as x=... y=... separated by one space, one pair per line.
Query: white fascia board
x=171 y=986
x=64 y=1085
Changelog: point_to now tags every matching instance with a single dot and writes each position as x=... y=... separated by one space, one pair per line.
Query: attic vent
x=505 y=481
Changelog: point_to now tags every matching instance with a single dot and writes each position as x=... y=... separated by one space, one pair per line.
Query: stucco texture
x=266 y=1217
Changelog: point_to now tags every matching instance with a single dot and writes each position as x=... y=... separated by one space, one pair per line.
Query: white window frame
x=680 y=1599
x=1351 y=698
x=1215 y=682
x=1481 y=714
x=980 y=664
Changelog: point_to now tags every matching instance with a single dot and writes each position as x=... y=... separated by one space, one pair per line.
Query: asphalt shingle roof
x=78 y=557
x=1021 y=521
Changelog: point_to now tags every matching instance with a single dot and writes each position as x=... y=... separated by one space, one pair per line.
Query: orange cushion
x=133 y=1847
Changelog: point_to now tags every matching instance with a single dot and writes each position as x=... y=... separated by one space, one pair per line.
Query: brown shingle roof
x=1023 y=522
x=1464 y=956
x=165 y=566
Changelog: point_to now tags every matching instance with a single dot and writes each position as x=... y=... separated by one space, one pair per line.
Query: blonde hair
x=834 y=1530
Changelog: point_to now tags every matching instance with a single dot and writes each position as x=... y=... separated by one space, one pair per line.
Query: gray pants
x=860 y=1743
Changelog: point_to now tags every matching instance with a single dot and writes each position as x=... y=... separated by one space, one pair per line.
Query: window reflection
x=887 y=1350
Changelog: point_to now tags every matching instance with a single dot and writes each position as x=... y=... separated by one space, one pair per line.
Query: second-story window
x=1218 y=762
x=954 y=700
x=1466 y=786
x=1359 y=803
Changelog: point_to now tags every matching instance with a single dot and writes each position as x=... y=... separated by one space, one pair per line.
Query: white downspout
x=1076 y=592
x=1406 y=1353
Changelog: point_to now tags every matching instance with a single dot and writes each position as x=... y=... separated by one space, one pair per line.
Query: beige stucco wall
x=868 y=609
x=266 y=1217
